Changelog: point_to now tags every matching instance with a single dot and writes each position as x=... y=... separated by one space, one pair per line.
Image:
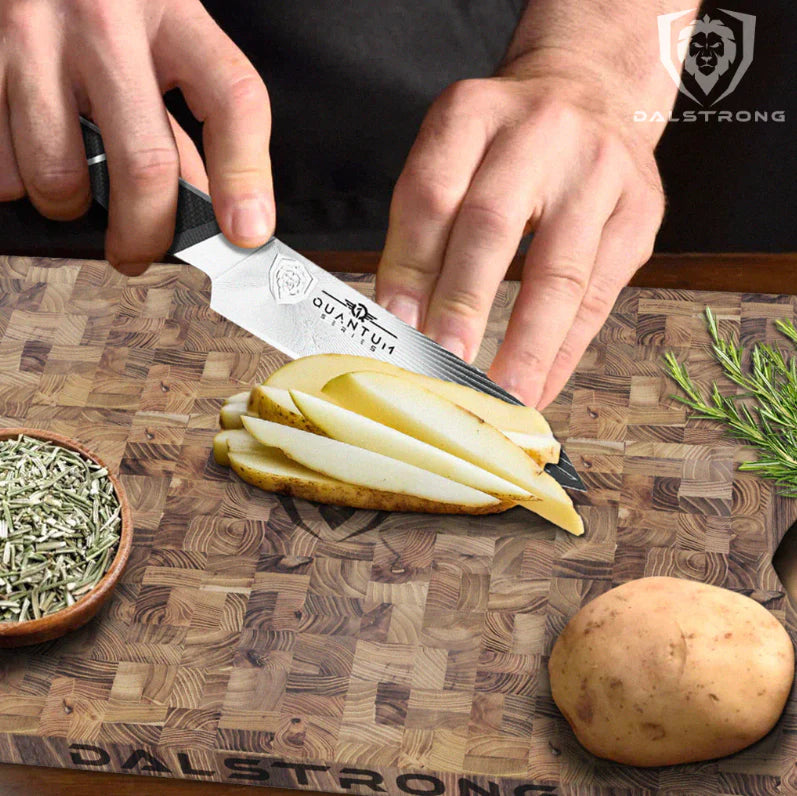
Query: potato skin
x=662 y=670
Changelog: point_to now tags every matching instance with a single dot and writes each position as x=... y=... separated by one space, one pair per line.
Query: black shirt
x=350 y=83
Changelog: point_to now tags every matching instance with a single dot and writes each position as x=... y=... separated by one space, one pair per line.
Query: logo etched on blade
x=289 y=281
x=355 y=321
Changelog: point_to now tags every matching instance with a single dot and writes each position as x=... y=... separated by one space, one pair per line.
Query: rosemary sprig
x=764 y=415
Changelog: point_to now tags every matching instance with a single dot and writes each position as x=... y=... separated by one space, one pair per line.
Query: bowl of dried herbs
x=65 y=535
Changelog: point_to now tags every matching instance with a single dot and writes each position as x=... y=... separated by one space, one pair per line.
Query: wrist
x=599 y=84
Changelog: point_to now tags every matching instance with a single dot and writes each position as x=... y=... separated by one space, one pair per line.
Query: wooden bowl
x=34 y=631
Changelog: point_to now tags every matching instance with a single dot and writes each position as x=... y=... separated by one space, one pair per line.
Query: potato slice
x=230 y=415
x=414 y=410
x=233 y=440
x=364 y=468
x=273 y=471
x=310 y=374
x=276 y=404
x=541 y=447
x=238 y=398
x=347 y=426
x=554 y=504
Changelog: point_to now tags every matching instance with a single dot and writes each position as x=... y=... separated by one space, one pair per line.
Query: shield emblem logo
x=289 y=281
x=713 y=54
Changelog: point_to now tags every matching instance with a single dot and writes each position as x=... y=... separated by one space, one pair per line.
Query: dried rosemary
x=765 y=414
x=60 y=522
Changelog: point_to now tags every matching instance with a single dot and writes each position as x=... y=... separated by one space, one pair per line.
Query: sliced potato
x=414 y=410
x=554 y=504
x=310 y=374
x=273 y=471
x=233 y=440
x=364 y=468
x=542 y=448
x=276 y=404
x=230 y=415
x=238 y=398
x=355 y=429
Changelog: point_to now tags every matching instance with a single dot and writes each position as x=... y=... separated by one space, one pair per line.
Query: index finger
x=556 y=273
x=225 y=92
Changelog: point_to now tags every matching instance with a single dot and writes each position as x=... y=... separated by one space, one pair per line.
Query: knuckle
x=427 y=192
x=245 y=90
x=149 y=168
x=567 y=279
x=57 y=180
x=463 y=304
x=599 y=299
x=20 y=20
x=101 y=17
x=460 y=96
x=491 y=222
x=460 y=102
x=560 y=116
x=608 y=154
x=526 y=360
x=407 y=274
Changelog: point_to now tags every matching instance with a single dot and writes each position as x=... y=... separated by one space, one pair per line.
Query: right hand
x=112 y=60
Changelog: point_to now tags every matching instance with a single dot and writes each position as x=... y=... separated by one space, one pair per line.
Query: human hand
x=542 y=147
x=112 y=60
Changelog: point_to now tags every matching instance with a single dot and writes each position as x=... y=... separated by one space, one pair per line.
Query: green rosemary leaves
x=765 y=414
x=60 y=522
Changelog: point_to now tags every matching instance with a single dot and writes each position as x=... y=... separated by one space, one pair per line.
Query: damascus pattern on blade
x=299 y=308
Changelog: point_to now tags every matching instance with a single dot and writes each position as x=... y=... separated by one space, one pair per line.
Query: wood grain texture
x=251 y=634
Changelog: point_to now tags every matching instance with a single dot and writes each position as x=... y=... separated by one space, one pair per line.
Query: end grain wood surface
x=738 y=273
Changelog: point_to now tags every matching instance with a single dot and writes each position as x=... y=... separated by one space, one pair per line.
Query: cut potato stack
x=360 y=432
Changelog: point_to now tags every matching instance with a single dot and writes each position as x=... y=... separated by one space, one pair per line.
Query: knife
x=294 y=305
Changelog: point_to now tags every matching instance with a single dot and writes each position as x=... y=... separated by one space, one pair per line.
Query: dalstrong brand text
x=249 y=769
x=707 y=116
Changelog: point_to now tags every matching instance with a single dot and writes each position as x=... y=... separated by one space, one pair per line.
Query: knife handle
x=195 y=220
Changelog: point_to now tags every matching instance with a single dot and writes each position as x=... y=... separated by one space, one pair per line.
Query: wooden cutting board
x=264 y=640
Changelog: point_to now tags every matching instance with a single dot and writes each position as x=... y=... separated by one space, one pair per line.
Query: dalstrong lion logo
x=715 y=52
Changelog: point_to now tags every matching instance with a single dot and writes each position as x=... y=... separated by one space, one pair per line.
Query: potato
x=275 y=404
x=420 y=413
x=365 y=468
x=233 y=440
x=230 y=415
x=661 y=671
x=310 y=374
x=273 y=471
x=414 y=410
x=238 y=398
x=347 y=426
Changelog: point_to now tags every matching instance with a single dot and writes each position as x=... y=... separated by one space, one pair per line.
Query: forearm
x=611 y=44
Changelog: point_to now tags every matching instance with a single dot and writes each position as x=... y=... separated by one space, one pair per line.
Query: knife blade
x=292 y=304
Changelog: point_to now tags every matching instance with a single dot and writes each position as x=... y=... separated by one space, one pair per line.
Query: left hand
x=547 y=149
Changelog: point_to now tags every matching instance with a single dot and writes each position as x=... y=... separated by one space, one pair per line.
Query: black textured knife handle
x=195 y=221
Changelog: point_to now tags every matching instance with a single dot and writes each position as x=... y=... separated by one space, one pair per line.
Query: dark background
x=351 y=82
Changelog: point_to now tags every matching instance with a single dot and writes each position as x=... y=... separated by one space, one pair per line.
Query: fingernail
x=250 y=220
x=404 y=308
x=453 y=344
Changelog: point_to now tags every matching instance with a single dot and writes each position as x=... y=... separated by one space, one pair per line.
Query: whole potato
x=661 y=671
